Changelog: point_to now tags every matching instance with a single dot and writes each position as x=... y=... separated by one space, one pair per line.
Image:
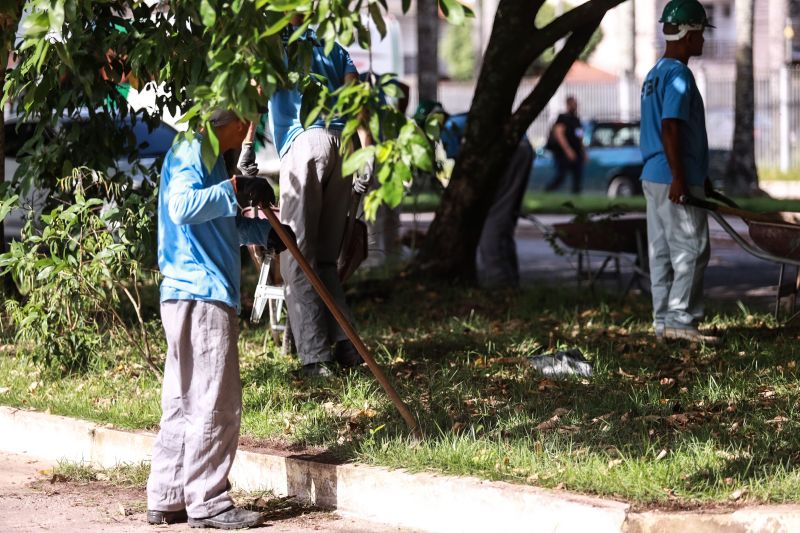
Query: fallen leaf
x=549 y=424
x=546 y=384
x=614 y=462
x=33 y=386
x=668 y=382
x=560 y=412
x=661 y=455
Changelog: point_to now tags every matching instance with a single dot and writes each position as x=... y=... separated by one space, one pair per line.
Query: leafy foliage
x=458 y=52
x=73 y=272
x=79 y=58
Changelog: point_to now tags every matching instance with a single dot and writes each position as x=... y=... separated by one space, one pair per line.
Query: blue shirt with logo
x=670 y=92
x=199 y=231
x=284 y=105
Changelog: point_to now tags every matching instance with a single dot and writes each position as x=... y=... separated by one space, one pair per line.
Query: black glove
x=252 y=191
x=275 y=243
x=247 y=160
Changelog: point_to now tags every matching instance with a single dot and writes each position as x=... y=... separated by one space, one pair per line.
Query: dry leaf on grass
x=661 y=455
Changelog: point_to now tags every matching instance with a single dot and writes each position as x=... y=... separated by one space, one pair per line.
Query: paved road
x=29 y=502
x=732 y=274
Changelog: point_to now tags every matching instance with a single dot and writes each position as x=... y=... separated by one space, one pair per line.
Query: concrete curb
x=425 y=502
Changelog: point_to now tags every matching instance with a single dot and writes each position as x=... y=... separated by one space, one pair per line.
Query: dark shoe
x=233 y=518
x=689 y=333
x=166 y=517
x=346 y=355
x=316 y=370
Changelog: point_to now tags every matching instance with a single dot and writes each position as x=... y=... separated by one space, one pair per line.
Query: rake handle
x=348 y=329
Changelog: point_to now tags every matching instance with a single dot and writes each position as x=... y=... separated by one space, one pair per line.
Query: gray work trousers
x=201 y=405
x=314 y=202
x=678 y=245
x=496 y=255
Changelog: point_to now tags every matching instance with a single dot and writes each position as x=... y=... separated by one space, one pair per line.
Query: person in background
x=314 y=201
x=200 y=230
x=496 y=259
x=674 y=146
x=566 y=144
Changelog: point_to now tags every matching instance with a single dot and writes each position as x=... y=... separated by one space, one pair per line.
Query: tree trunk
x=428 y=50
x=741 y=175
x=494 y=128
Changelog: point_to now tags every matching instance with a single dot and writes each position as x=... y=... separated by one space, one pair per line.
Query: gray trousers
x=496 y=256
x=678 y=245
x=201 y=404
x=314 y=202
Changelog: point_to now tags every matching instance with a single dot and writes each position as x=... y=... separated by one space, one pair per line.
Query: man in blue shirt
x=314 y=201
x=200 y=231
x=674 y=147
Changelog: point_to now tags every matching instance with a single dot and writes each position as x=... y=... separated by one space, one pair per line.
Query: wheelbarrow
x=775 y=237
x=615 y=239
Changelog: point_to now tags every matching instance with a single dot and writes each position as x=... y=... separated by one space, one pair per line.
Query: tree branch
x=563 y=25
x=533 y=104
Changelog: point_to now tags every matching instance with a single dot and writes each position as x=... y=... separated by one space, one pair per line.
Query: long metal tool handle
x=326 y=296
x=725 y=210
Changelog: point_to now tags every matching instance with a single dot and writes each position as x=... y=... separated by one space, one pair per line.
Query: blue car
x=614 y=161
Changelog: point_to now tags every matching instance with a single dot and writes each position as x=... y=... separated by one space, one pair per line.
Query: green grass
x=558 y=203
x=658 y=424
x=775 y=174
x=122 y=475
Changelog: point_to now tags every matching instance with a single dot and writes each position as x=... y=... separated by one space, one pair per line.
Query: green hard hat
x=681 y=12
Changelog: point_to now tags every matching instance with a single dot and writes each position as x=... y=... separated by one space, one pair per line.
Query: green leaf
x=207 y=13
x=278 y=26
x=453 y=11
x=209 y=148
x=7 y=205
x=377 y=18
x=421 y=153
x=355 y=161
x=406 y=5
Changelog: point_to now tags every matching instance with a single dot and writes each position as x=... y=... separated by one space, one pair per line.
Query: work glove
x=252 y=191
x=363 y=178
x=275 y=243
x=247 y=160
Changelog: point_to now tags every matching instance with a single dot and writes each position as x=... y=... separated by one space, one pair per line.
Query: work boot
x=316 y=370
x=233 y=518
x=166 y=517
x=346 y=355
x=689 y=333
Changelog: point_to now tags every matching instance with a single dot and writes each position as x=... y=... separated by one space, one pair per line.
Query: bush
x=78 y=269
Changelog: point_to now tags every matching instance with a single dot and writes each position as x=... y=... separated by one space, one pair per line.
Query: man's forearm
x=670 y=138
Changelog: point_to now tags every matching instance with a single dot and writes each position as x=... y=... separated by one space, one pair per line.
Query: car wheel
x=622 y=187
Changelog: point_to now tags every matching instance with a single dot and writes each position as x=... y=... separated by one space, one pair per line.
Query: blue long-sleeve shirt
x=199 y=231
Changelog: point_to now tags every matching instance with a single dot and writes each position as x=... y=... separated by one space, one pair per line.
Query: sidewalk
x=32 y=500
x=732 y=273
x=393 y=498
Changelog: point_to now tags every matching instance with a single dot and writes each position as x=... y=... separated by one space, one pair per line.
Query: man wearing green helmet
x=674 y=148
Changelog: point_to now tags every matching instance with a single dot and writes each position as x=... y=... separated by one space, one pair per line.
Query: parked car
x=152 y=144
x=614 y=161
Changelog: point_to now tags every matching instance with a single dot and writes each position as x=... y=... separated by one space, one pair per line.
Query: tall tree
x=742 y=174
x=494 y=127
x=427 y=49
